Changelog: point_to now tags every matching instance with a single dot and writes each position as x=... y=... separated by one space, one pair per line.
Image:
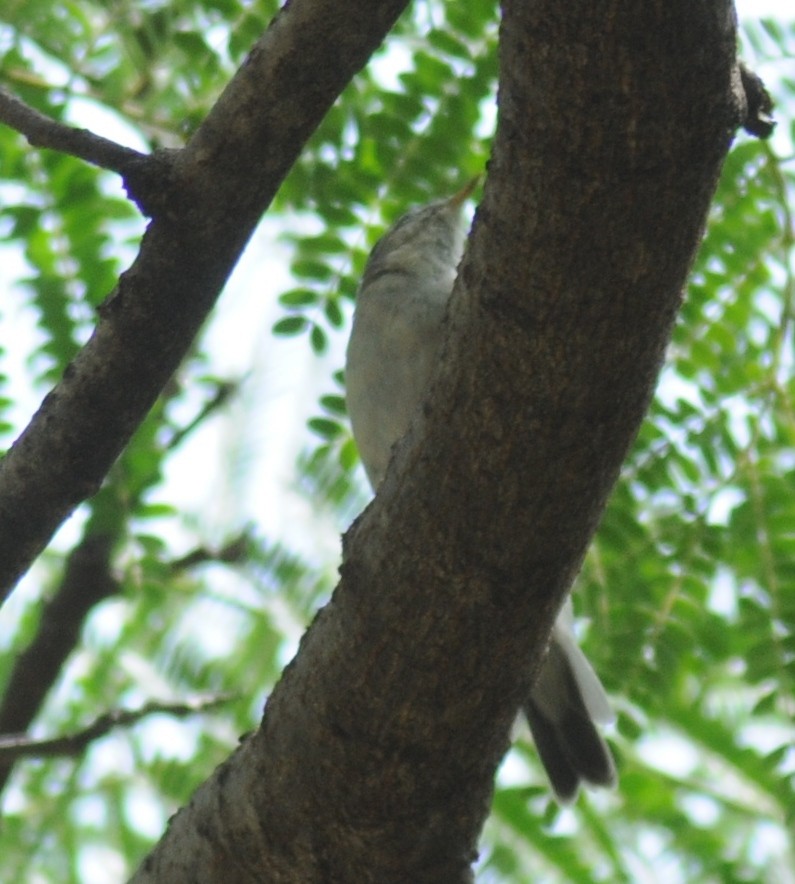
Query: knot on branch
x=151 y=181
x=758 y=117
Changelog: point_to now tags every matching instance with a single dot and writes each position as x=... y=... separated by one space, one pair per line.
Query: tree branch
x=222 y=182
x=148 y=178
x=236 y=550
x=87 y=580
x=224 y=391
x=16 y=746
x=42 y=131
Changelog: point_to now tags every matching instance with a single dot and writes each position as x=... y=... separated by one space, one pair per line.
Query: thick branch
x=225 y=178
x=16 y=746
x=376 y=755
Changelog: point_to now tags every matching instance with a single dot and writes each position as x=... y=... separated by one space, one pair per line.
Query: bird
x=394 y=345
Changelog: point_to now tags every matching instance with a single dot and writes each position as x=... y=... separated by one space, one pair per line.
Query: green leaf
x=290 y=325
x=325 y=427
x=298 y=298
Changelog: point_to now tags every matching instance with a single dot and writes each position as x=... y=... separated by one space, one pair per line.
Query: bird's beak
x=458 y=199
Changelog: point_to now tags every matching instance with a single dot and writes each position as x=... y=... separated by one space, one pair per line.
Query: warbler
x=393 y=349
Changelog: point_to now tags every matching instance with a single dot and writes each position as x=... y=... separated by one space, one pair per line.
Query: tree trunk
x=376 y=755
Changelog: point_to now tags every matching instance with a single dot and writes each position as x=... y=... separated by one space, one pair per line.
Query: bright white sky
x=782 y=9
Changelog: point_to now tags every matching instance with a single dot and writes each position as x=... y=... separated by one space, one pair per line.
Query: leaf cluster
x=687 y=593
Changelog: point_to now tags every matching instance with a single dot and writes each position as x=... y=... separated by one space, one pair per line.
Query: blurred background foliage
x=687 y=597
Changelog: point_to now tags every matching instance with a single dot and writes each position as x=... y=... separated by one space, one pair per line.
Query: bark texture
x=377 y=751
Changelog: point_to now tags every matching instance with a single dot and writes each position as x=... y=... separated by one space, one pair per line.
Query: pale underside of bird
x=393 y=349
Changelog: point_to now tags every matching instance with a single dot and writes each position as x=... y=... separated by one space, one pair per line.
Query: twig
x=13 y=746
x=224 y=391
x=235 y=551
x=149 y=179
x=42 y=131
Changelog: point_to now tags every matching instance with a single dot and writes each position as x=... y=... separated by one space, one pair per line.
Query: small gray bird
x=393 y=348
